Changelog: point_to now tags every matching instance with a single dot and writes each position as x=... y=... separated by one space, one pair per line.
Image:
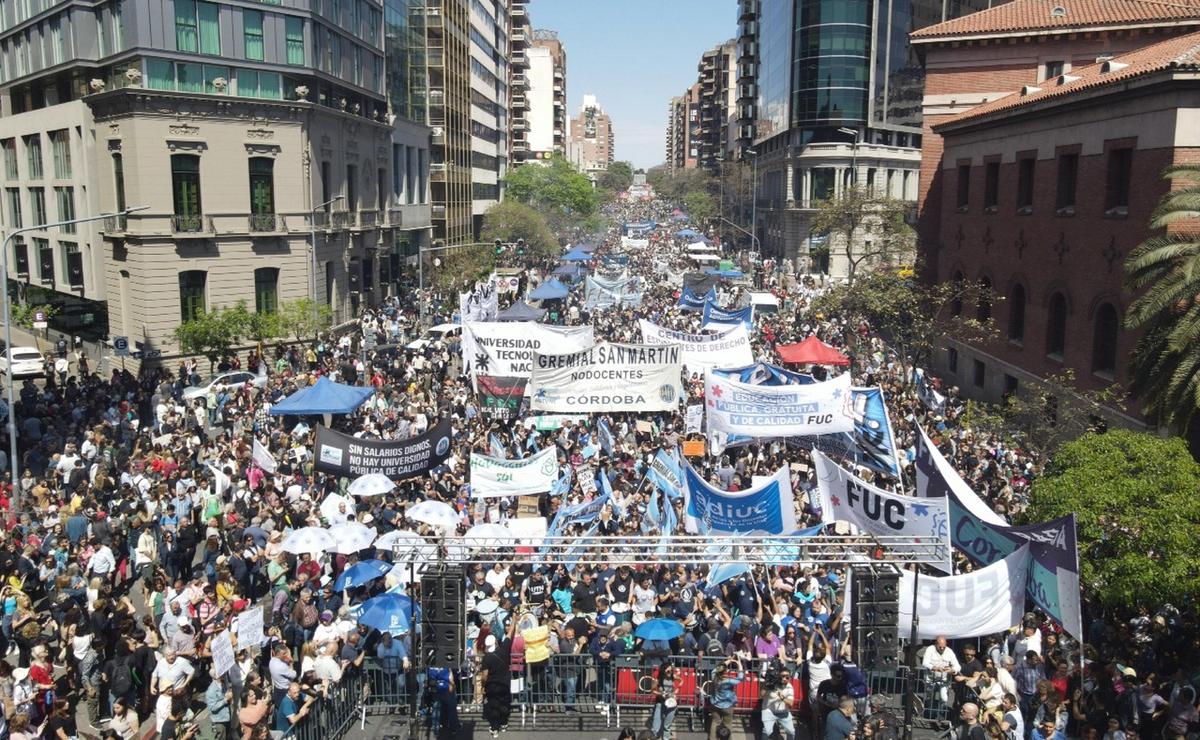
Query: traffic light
x=520 y=247
x=499 y=247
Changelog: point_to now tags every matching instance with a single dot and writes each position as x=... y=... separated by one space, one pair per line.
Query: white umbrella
x=400 y=573
x=308 y=539
x=489 y=535
x=371 y=484
x=434 y=513
x=406 y=544
x=351 y=537
x=331 y=508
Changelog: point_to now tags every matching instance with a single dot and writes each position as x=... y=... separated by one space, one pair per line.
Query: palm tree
x=1166 y=366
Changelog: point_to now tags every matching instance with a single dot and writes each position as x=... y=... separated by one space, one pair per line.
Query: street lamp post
x=8 y=345
x=754 y=196
x=753 y=237
x=853 y=153
x=312 y=249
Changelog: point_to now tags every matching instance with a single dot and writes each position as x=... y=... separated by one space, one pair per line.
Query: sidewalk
x=46 y=340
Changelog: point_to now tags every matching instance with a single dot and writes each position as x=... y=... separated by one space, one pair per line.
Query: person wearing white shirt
x=170 y=679
x=326 y=632
x=102 y=563
x=326 y=666
x=1029 y=638
x=496 y=577
x=940 y=660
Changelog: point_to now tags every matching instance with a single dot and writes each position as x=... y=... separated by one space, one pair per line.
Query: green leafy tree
x=617 y=178
x=212 y=334
x=298 y=319
x=911 y=315
x=22 y=314
x=555 y=188
x=700 y=207
x=1134 y=498
x=1165 y=369
x=865 y=228
x=509 y=221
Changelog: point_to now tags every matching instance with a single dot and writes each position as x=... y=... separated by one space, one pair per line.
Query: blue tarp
x=549 y=290
x=521 y=311
x=724 y=273
x=326 y=397
x=688 y=234
x=576 y=255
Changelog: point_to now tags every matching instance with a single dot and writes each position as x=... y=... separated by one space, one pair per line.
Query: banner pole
x=911 y=684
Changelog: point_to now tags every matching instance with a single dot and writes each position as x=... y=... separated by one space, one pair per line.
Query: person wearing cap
x=170 y=679
x=723 y=697
x=326 y=632
x=496 y=677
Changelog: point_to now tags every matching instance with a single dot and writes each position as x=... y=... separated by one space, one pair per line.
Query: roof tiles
x=1061 y=15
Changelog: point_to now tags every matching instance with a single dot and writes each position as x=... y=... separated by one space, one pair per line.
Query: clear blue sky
x=634 y=55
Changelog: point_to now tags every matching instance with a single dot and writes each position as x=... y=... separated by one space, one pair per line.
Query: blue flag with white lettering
x=606 y=436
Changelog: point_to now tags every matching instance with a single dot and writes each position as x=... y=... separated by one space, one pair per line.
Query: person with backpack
x=117 y=674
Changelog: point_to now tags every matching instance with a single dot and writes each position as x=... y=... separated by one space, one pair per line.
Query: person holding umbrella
x=496 y=677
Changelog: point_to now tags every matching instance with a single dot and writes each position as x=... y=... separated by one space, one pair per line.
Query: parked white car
x=225 y=381
x=26 y=362
x=439 y=333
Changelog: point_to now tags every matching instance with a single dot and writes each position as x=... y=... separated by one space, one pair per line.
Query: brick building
x=1047 y=128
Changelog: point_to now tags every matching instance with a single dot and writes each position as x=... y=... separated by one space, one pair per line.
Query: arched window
x=1056 y=325
x=1104 y=339
x=1016 y=313
x=956 y=304
x=983 y=304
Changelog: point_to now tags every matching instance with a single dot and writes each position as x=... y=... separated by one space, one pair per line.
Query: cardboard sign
x=527 y=506
x=693 y=448
x=645 y=426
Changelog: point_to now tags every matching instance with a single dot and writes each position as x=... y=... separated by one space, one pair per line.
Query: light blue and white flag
x=716 y=317
x=766 y=508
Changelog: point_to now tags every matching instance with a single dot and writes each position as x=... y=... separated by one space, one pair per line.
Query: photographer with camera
x=778 y=698
x=724 y=698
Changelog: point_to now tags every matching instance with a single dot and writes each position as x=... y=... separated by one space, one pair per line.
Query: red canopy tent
x=811 y=351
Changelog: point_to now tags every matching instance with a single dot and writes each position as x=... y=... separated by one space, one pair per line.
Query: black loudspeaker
x=443 y=638
x=875 y=614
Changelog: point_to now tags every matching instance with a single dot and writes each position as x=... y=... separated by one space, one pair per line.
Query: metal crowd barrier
x=579 y=685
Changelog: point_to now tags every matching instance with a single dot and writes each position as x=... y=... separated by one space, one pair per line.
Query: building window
x=253 y=83
x=1016 y=314
x=822 y=184
x=1025 y=184
x=1056 y=326
x=979 y=373
x=266 y=289
x=252 y=31
x=964 y=186
x=351 y=187
x=952 y=360
x=1104 y=340
x=262 y=193
x=45 y=261
x=186 y=38
x=10 y=158
x=368 y=274
x=991 y=185
x=65 y=198
x=37 y=205
x=60 y=146
x=14 y=208
x=295 y=41
x=191 y=294
x=1054 y=69
x=983 y=304
x=1011 y=386
x=72 y=264
x=956 y=304
x=381 y=180
x=21 y=257
x=119 y=180
x=33 y=155
x=185 y=191
x=1116 y=191
x=210 y=28
x=1068 y=175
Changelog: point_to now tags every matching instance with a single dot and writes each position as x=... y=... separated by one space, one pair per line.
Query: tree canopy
x=554 y=187
x=1134 y=499
x=509 y=221
x=617 y=178
x=872 y=229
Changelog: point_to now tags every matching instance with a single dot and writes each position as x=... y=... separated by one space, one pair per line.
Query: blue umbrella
x=387 y=613
x=360 y=573
x=659 y=629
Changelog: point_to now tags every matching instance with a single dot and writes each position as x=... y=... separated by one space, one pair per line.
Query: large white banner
x=629 y=244
x=766 y=411
x=701 y=351
x=983 y=602
x=847 y=498
x=608 y=377
x=506 y=348
x=480 y=304
x=493 y=477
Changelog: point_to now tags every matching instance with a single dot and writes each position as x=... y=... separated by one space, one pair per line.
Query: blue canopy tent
x=325 y=397
x=568 y=268
x=576 y=255
x=688 y=234
x=521 y=311
x=549 y=291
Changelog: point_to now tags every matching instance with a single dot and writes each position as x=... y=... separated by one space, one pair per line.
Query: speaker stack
x=443 y=603
x=875 y=611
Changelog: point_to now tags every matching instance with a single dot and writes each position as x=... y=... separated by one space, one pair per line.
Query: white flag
x=263 y=457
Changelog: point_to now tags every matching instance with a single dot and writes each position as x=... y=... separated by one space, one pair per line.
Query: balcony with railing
x=266 y=224
x=340 y=220
x=192 y=227
x=365 y=220
x=115 y=225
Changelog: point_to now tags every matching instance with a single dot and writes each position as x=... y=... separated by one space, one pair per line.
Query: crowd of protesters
x=139 y=527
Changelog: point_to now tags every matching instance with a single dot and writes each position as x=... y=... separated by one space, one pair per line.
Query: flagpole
x=911 y=688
